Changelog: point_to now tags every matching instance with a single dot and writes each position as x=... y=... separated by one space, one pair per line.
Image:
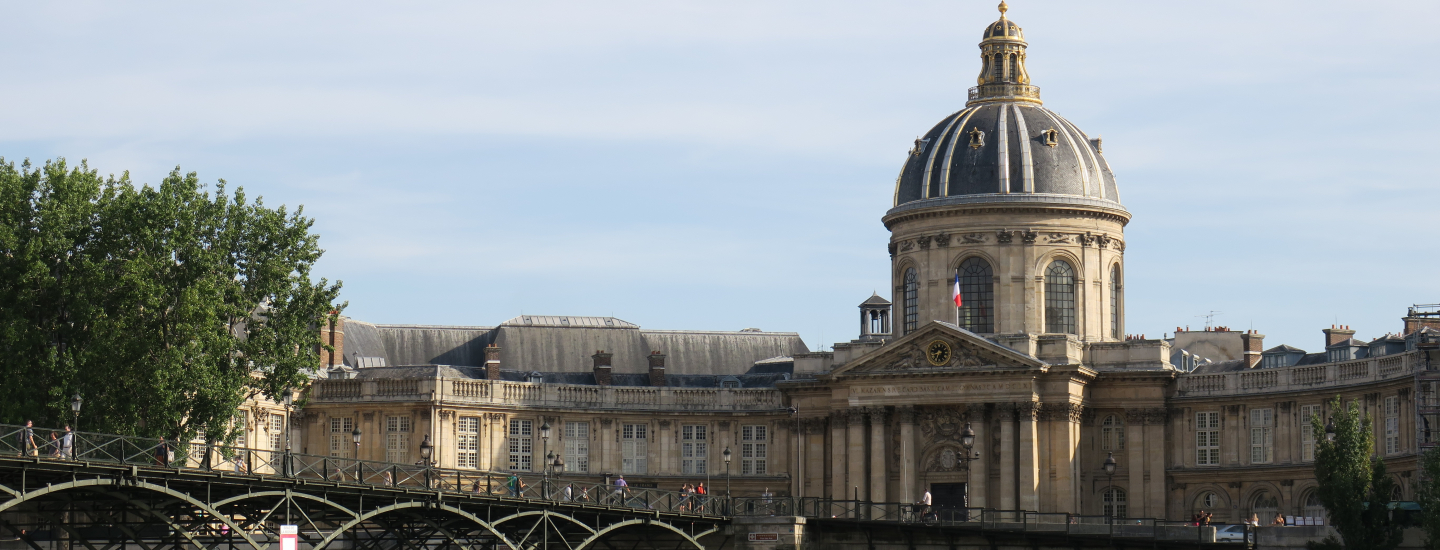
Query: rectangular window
x=397 y=439
x=1262 y=436
x=1392 y=425
x=1207 y=439
x=753 y=450
x=633 y=449
x=520 y=444
x=577 y=447
x=277 y=432
x=1307 y=431
x=1112 y=434
x=340 y=439
x=467 y=442
x=694 y=450
x=243 y=439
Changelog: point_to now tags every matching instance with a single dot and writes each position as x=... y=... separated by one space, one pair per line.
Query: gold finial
x=1003 y=9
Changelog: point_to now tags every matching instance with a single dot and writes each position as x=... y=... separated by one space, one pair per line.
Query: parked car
x=1233 y=533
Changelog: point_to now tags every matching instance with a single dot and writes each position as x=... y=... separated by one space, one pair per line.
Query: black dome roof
x=1006 y=152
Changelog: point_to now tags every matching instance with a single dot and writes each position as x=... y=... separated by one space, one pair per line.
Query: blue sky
x=723 y=165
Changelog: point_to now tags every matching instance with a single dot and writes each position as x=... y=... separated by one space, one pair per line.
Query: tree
x=164 y=307
x=1353 y=485
x=1428 y=495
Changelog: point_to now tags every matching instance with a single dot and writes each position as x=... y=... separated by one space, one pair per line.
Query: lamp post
x=1330 y=430
x=545 y=448
x=289 y=403
x=726 y=455
x=426 y=451
x=75 y=403
x=545 y=478
x=1109 y=468
x=967 y=440
x=355 y=436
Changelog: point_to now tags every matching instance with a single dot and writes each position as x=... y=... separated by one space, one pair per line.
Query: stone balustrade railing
x=523 y=394
x=1285 y=379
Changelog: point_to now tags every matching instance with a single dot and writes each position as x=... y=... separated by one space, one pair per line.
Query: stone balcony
x=1300 y=378
x=460 y=392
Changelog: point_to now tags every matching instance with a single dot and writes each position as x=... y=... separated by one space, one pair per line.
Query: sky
x=724 y=165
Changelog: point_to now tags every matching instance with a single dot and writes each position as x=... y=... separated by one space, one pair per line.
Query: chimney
x=492 y=362
x=602 y=367
x=657 y=368
x=1336 y=334
x=1254 y=344
x=333 y=335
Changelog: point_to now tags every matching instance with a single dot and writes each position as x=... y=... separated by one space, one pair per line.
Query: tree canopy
x=164 y=307
x=1353 y=485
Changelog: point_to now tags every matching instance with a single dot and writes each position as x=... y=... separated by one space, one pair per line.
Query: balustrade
x=1300 y=378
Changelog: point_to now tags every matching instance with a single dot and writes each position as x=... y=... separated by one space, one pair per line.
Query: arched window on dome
x=911 y=295
x=977 y=293
x=1115 y=289
x=1060 y=298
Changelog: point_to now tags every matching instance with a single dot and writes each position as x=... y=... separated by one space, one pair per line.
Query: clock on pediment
x=938 y=352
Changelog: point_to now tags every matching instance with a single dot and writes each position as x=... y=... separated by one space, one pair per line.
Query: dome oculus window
x=1051 y=137
x=977 y=138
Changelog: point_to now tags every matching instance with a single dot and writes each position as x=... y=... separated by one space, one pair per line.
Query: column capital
x=906 y=414
x=877 y=415
x=857 y=416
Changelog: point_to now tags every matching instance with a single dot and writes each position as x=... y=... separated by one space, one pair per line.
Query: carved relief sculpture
x=1004 y=236
x=974 y=238
x=942 y=240
x=924 y=242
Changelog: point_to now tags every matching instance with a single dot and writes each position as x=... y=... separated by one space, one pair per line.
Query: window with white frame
x=1307 y=431
x=340 y=438
x=1207 y=439
x=577 y=447
x=634 y=448
x=1392 y=425
x=1112 y=434
x=694 y=449
x=1115 y=505
x=242 y=440
x=467 y=442
x=397 y=439
x=754 y=443
x=277 y=433
x=521 y=444
x=1262 y=436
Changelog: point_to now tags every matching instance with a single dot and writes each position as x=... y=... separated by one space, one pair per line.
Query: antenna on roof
x=1210 y=318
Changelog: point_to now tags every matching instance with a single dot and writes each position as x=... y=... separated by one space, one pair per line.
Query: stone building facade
x=1004 y=203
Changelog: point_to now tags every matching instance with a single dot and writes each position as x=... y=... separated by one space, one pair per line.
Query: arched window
x=1265 y=505
x=1060 y=298
x=912 y=300
x=1115 y=289
x=1207 y=502
x=1313 y=508
x=1114 y=498
x=977 y=293
x=1396 y=493
x=1112 y=434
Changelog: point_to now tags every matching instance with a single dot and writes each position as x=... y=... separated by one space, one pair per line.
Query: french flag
x=958 y=301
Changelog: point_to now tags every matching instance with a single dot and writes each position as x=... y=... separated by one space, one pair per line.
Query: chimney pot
x=1254 y=344
x=657 y=368
x=492 y=362
x=603 y=370
x=1336 y=335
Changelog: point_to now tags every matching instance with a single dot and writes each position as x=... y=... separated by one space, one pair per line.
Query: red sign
x=289 y=537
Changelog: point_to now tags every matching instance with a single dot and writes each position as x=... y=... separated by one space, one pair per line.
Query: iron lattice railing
x=39 y=444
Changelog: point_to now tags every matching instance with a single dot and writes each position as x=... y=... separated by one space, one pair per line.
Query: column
x=607 y=437
x=1134 y=464
x=906 y=415
x=1062 y=452
x=815 y=458
x=1155 y=452
x=878 y=471
x=855 y=474
x=1007 y=456
x=838 y=421
x=979 y=478
x=799 y=473
x=1029 y=466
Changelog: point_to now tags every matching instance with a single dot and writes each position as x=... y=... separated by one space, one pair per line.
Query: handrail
x=200 y=456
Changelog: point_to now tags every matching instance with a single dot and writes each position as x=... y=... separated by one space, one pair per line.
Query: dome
x=1006 y=151
x=1005 y=146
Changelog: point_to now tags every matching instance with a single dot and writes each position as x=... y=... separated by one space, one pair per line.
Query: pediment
x=939 y=347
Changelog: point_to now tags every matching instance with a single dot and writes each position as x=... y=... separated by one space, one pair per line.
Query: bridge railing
x=37 y=444
x=987 y=519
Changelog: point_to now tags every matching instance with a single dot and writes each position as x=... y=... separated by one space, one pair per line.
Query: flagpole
x=957 y=290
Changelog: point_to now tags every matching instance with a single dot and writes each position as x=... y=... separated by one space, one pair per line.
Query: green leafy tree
x=1428 y=494
x=165 y=307
x=1353 y=485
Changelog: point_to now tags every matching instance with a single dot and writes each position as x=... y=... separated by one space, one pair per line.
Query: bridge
x=110 y=492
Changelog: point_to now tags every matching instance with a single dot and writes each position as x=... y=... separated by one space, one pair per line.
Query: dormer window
x=1051 y=137
x=534 y=377
x=730 y=383
x=1272 y=361
x=977 y=138
x=1337 y=355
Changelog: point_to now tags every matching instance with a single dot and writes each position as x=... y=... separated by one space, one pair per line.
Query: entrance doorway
x=948 y=495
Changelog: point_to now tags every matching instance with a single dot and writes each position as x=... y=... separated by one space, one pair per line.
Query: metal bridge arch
x=288 y=494
x=404 y=505
x=58 y=487
x=647 y=522
x=545 y=513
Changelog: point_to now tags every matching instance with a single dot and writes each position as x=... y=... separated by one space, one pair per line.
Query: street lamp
x=355 y=436
x=426 y=450
x=75 y=403
x=544 y=468
x=967 y=440
x=289 y=402
x=726 y=455
x=1109 y=468
x=545 y=477
x=1330 y=430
